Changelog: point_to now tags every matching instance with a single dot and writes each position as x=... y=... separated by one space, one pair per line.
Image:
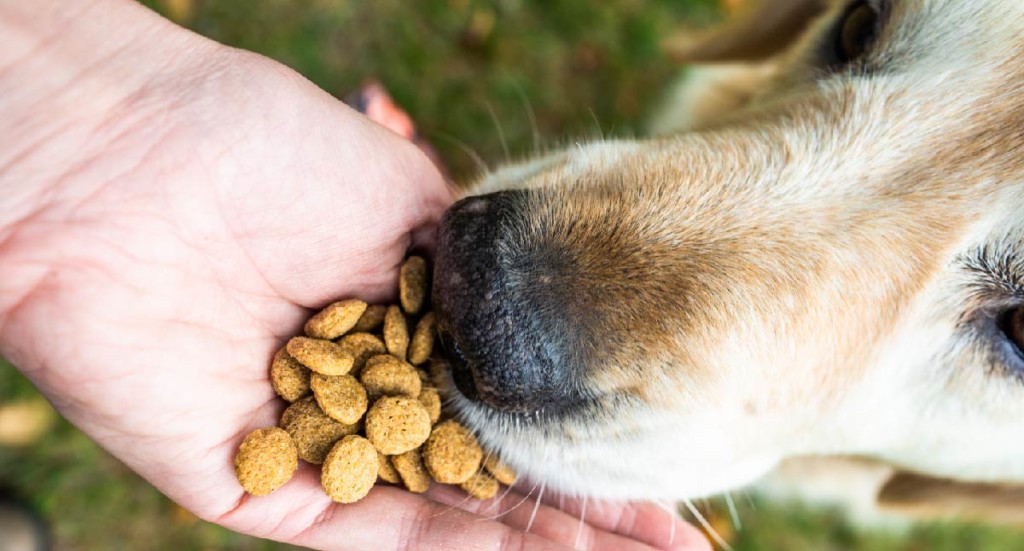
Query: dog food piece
x=386 y=471
x=342 y=398
x=324 y=357
x=313 y=432
x=266 y=460
x=410 y=467
x=412 y=284
x=335 y=320
x=289 y=378
x=350 y=469
x=396 y=332
x=386 y=375
x=432 y=401
x=452 y=454
x=363 y=346
x=422 y=344
x=481 y=486
x=396 y=425
x=371 y=319
x=499 y=470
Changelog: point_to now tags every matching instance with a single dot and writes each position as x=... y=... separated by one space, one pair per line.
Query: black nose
x=504 y=347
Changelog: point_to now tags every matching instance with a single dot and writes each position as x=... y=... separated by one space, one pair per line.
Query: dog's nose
x=504 y=349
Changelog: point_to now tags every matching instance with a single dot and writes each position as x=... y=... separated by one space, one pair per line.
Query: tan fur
x=796 y=276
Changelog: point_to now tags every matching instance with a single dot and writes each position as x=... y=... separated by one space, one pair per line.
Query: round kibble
x=313 y=432
x=412 y=284
x=432 y=402
x=324 y=357
x=481 y=486
x=386 y=375
x=266 y=460
x=342 y=398
x=289 y=378
x=410 y=467
x=335 y=320
x=421 y=346
x=362 y=346
x=452 y=454
x=350 y=469
x=386 y=471
x=396 y=425
x=499 y=470
x=396 y=332
x=371 y=319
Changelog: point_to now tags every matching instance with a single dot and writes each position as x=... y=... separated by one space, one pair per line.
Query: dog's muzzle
x=503 y=345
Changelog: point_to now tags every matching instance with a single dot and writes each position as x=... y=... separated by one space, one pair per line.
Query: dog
x=819 y=263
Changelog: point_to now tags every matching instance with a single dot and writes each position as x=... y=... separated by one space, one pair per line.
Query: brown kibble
x=432 y=402
x=324 y=357
x=410 y=467
x=386 y=375
x=452 y=454
x=412 y=284
x=313 y=432
x=335 y=320
x=362 y=346
x=499 y=470
x=396 y=425
x=289 y=378
x=342 y=398
x=371 y=319
x=350 y=470
x=386 y=471
x=422 y=344
x=266 y=460
x=396 y=332
x=481 y=486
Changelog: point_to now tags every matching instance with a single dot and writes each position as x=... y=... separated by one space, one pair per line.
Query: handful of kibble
x=374 y=414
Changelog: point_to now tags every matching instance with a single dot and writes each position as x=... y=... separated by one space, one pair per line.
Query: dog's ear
x=929 y=498
x=757 y=33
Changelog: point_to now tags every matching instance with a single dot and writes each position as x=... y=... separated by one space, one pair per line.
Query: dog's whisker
x=536 y=507
x=733 y=512
x=501 y=132
x=715 y=536
x=478 y=160
x=583 y=522
x=530 y=115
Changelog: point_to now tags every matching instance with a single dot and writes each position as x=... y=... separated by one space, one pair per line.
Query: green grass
x=490 y=74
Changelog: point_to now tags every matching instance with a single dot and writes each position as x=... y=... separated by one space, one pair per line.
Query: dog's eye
x=856 y=32
x=1012 y=324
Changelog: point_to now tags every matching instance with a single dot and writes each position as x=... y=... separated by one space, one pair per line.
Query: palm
x=173 y=283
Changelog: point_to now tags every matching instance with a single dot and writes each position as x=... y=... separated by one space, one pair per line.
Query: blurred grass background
x=500 y=78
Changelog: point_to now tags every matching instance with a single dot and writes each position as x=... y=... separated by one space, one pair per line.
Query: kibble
x=421 y=345
x=452 y=454
x=313 y=432
x=373 y=414
x=335 y=320
x=350 y=470
x=409 y=466
x=289 y=378
x=266 y=460
x=386 y=375
x=342 y=398
x=396 y=425
x=324 y=357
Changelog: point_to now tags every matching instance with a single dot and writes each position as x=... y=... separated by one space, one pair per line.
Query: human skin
x=171 y=211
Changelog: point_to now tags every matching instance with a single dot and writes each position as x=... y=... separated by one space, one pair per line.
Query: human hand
x=157 y=251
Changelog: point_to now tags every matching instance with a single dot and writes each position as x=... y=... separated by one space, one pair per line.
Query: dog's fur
x=817 y=271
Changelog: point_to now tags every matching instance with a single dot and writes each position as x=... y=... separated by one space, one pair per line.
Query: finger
x=613 y=528
x=387 y=518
